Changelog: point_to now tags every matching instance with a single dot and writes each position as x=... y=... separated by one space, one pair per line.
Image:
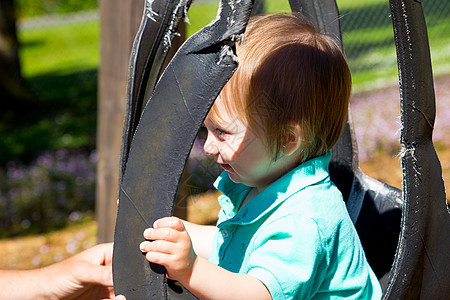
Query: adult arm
x=86 y=275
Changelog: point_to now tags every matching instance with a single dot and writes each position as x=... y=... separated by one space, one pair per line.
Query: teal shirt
x=295 y=236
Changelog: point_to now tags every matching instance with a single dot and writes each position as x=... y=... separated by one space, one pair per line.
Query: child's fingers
x=168 y=234
x=157 y=246
x=158 y=258
x=172 y=222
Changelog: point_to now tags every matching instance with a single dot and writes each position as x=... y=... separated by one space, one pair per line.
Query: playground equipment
x=402 y=232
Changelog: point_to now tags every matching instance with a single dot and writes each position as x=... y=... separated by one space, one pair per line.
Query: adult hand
x=169 y=244
x=86 y=275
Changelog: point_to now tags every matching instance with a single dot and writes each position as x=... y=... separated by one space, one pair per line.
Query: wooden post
x=119 y=22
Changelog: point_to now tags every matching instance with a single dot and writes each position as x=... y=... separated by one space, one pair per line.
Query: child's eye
x=220 y=132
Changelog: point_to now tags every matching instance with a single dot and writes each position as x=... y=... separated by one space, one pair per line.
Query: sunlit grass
x=200 y=14
x=62 y=49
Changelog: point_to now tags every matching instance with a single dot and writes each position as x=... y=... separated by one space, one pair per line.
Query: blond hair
x=289 y=73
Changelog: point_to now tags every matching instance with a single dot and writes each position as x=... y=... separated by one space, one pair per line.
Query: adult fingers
x=93 y=274
x=99 y=255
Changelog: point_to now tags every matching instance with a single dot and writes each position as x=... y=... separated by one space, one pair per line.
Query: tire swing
x=401 y=232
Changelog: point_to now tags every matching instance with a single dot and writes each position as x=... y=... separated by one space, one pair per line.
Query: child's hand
x=170 y=245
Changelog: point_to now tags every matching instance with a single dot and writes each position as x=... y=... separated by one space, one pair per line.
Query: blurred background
x=49 y=116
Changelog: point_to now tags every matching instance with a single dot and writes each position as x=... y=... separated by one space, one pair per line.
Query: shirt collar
x=306 y=174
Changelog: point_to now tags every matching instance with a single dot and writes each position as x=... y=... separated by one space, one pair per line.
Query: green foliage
x=33 y=8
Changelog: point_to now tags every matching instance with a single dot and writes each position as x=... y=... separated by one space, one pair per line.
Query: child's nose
x=210 y=146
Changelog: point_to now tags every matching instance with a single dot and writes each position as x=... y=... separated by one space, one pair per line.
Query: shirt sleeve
x=289 y=257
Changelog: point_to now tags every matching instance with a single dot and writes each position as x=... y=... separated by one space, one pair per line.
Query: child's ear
x=294 y=139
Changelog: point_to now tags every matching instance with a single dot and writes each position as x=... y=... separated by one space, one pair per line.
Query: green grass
x=73 y=48
x=200 y=14
x=32 y=8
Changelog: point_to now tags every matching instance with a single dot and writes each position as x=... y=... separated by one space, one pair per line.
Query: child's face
x=245 y=156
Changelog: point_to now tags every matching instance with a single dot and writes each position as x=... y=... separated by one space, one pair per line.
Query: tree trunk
x=13 y=91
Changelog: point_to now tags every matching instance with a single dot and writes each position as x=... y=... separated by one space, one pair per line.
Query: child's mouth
x=226 y=167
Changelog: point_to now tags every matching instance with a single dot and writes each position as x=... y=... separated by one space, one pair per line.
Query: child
x=283 y=231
